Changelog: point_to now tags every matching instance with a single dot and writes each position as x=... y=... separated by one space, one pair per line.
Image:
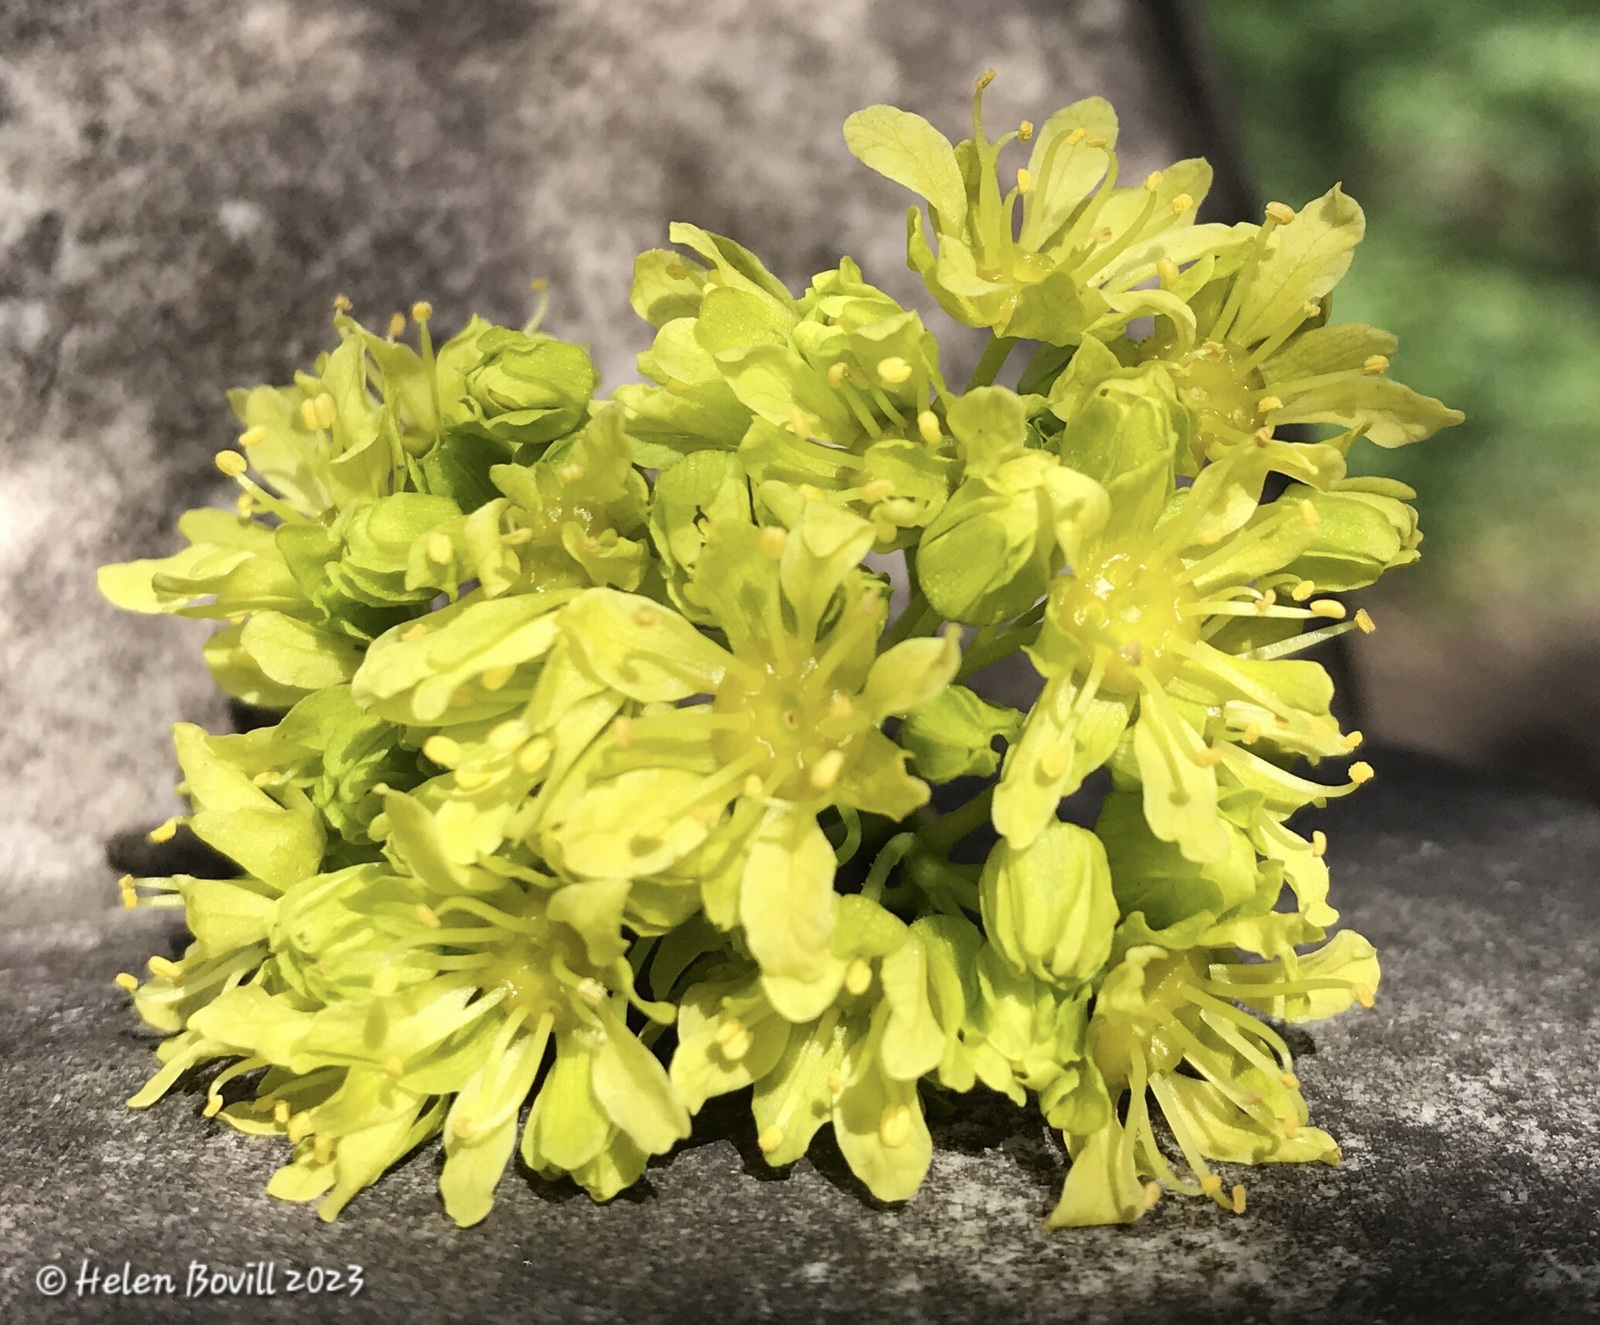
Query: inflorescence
x=601 y=785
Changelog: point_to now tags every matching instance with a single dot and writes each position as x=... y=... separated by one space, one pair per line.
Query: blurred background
x=1470 y=132
x=184 y=187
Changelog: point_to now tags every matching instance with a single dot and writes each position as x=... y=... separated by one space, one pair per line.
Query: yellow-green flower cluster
x=603 y=778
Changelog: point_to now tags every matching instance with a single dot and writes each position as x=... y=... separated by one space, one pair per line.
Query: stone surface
x=185 y=184
x=1466 y=1102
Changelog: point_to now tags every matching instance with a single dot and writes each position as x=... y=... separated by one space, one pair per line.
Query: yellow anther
x=385 y=981
x=753 y=787
x=825 y=772
x=1152 y=181
x=1269 y=403
x=734 y=1039
x=516 y=537
x=894 y=370
x=1374 y=364
x=1364 y=621
x=341 y=303
x=570 y=472
x=308 y=415
x=1024 y=182
x=322 y=1149
x=251 y=436
x=706 y=814
x=300 y=1127
x=440 y=548
x=1308 y=512
x=1290 y=1081
x=772 y=542
x=1353 y=740
x=894 y=1127
x=1280 y=212
x=421 y=311
x=232 y=463
x=471 y=779
x=1024 y=131
x=841 y=707
x=622 y=731
x=984 y=79
x=1181 y=203
x=1211 y=1184
x=1238 y=1199
x=836 y=374
x=1132 y=653
x=835 y=1082
x=1319 y=843
x=424 y=915
x=1328 y=607
x=213 y=1106
x=1303 y=590
x=164 y=832
x=414 y=632
x=928 y=427
x=1102 y=235
x=1263 y=435
x=811 y=492
x=280 y=1112
x=533 y=756
x=245 y=505
x=1361 y=772
x=646 y=617
x=397 y=324
x=497 y=678
x=769 y=1139
x=127 y=983
x=463 y=1125
x=1363 y=995
x=269 y=777
x=541 y=284
x=395 y=1066
x=858 y=976
x=1077 y=136
x=1168 y=271
x=1268 y=599
x=1312 y=308
x=591 y=991
x=877 y=490
x=327 y=410
x=1208 y=756
x=1291 y=1127
x=1152 y=1195
x=1214 y=349
x=1055 y=762
x=130 y=895
x=442 y=750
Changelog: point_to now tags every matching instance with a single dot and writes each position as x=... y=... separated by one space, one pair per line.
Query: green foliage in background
x=1471 y=132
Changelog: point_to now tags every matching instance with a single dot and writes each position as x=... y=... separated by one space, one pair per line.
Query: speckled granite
x=1466 y=1102
x=185 y=184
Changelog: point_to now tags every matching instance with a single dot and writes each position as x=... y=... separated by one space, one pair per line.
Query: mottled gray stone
x=1466 y=1103
x=185 y=184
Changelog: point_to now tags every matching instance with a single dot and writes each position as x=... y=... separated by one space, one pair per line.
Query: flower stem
x=994 y=357
x=948 y=829
x=986 y=651
x=913 y=621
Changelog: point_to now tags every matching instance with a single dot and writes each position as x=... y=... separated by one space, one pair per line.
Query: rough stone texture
x=1466 y=1103
x=185 y=184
